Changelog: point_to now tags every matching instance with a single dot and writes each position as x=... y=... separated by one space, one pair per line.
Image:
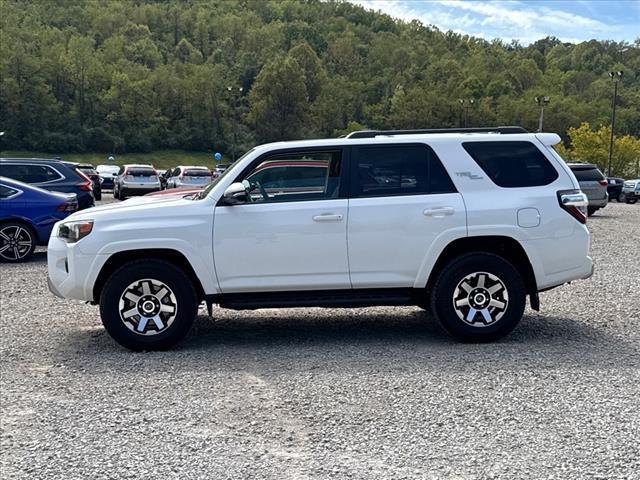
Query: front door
x=292 y=232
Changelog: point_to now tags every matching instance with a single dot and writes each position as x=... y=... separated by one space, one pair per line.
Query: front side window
x=395 y=170
x=512 y=164
x=294 y=177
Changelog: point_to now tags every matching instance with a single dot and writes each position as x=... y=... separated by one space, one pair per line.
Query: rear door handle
x=327 y=217
x=438 y=212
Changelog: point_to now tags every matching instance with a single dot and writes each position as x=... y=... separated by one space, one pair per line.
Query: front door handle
x=438 y=212
x=327 y=217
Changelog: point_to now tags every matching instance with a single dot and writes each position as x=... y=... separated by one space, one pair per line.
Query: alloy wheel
x=480 y=299
x=148 y=307
x=16 y=242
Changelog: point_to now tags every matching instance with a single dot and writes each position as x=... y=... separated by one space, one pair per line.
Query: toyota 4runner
x=466 y=223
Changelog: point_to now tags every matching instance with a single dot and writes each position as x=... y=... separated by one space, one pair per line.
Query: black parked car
x=614 y=188
x=90 y=171
x=52 y=175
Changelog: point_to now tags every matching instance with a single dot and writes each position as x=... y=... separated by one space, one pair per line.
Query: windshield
x=210 y=186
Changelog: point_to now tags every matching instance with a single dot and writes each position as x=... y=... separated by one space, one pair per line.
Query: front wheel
x=478 y=297
x=632 y=200
x=148 y=305
x=622 y=198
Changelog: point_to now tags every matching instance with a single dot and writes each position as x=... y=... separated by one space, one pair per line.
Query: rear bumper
x=598 y=202
x=128 y=191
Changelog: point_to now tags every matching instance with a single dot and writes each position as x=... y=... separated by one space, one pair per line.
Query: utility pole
x=466 y=105
x=542 y=101
x=615 y=76
x=235 y=95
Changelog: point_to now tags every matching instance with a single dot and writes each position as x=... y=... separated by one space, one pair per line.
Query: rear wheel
x=591 y=211
x=622 y=198
x=148 y=305
x=17 y=242
x=478 y=297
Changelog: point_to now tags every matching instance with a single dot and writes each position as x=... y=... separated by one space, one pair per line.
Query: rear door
x=401 y=202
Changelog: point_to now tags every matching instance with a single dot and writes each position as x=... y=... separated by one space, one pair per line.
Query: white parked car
x=184 y=176
x=467 y=223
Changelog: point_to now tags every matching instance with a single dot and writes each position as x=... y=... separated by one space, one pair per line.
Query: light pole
x=235 y=94
x=615 y=76
x=466 y=105
x=543 y=102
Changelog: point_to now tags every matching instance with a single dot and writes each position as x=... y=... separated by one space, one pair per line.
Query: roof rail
x=375 y=133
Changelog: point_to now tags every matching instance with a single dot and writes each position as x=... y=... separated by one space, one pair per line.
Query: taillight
x=87 y=185
x=67 y=207
x=575 y=203
x=603 y=182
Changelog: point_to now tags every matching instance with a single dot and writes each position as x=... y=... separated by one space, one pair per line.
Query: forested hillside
x=131 y=76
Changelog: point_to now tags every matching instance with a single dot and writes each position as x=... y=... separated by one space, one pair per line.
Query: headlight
x=71 y=232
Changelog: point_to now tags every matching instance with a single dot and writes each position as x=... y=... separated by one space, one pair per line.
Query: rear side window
x=587 y=174
x=30 y=173
x=512 y=164
x=396 y=170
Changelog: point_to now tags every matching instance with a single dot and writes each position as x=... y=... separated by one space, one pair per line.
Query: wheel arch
x=504 y=246
x=23 y=221
x=116 y=260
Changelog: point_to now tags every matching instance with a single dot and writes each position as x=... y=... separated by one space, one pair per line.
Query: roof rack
x=375 y=133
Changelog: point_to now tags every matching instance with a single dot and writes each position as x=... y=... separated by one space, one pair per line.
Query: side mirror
x=235 y=194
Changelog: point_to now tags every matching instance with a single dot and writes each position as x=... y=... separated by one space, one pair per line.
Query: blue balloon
x=218 y=156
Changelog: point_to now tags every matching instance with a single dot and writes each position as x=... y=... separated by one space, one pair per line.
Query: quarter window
x=6 y=192
x=512 y=164
x=398 y=170
x=294 y=177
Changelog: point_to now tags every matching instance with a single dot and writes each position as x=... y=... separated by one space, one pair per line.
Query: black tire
x=591 y=211
x=622 y=198
x=24 y=235
x=477 y=328
x=632 y=200
x=181 y=296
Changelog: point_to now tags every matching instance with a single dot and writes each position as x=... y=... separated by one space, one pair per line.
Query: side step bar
x=316 y=298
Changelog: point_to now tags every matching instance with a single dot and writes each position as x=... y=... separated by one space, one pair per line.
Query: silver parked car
x=593 y=184
x=189 y=176
x=135 y=180
x=630 y=191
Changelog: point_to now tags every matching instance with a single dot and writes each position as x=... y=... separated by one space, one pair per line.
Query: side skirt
x=351 y=298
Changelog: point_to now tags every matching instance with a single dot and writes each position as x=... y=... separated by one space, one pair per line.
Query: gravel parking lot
x=364 y=394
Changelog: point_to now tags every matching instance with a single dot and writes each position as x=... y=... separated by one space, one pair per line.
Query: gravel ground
x=362 y=394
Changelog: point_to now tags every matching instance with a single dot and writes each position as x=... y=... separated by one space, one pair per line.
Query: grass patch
x=159 y=159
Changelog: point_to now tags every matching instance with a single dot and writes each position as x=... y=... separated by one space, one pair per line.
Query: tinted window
x=587 y=174
x=30 y=173
x=6 y=192
x=398 y=170
x=197 y=173
x=295 y=177
x=141 y=172
x=512 y=164
x=88 y=170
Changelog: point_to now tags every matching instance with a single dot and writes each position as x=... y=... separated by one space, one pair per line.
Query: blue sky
x=526 y=21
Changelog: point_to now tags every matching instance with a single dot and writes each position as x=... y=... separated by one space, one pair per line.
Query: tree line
x=132 y=76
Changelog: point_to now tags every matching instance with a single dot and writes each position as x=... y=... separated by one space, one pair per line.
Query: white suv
x=464 y=222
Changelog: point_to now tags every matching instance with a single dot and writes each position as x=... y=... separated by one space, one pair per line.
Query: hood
x=133 y=206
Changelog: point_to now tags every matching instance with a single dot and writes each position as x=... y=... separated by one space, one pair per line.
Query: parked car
x=107 y=173
x=614 y=187
x=467 y=223
x=175 y=192
x=27 y=215
x=593 y=184
x=135 y=180
x=90 y=172
x=630 y=191
x=219 y=169
x=188 y=176
x=52 y=175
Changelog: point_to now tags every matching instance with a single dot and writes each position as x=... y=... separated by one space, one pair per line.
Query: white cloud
x=509 y=19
